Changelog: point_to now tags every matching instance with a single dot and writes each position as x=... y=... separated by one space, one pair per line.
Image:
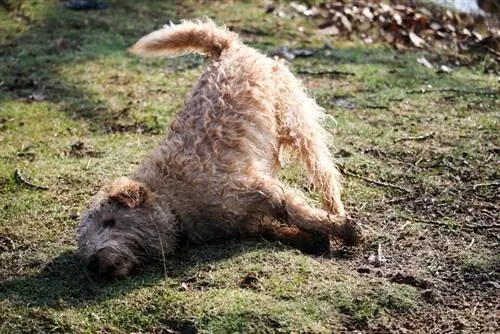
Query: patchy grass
x=76 y=110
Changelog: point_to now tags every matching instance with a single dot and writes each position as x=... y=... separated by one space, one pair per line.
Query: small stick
x=454 y=90
x=474 y=309
x=404 y=225
x=470 y=245
x=422 y=137
x=19 y=177
x=469 y=226
x=375 y=106
x=494 y=183
x=326 y=72
x=379 y=183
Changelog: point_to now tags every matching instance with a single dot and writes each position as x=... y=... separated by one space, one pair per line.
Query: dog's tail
x=190 y=36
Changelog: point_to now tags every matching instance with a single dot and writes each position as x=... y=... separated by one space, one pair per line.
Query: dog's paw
x=349 y=231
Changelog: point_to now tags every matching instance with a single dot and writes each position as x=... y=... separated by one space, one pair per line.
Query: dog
x=214 y=176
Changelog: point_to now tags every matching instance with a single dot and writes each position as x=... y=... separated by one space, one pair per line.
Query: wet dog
x=214 y=176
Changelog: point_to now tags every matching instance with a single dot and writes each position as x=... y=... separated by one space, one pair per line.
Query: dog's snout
x=106 y=263
x=93 y=265
x=103 y=263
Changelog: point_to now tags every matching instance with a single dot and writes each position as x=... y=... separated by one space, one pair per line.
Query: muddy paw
x=350 y=232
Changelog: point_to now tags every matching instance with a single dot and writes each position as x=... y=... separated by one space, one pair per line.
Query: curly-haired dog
x=214 y=176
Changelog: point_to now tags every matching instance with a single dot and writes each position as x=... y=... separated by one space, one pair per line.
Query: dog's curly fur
x=214 y=176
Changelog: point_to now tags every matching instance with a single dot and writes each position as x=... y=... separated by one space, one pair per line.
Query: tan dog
x=214 y=176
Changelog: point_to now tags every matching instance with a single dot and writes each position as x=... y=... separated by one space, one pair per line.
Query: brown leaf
x=477 y=35
x=367 y=13
x=435 y=26
x=364 y=26
x=368 y=40
x=444 y=69
x=250 y=280
x=400 y=47
x=35 y=98
x=466 y=32
x=385 y=8
x=346 y=23
x=416 y=40
x=424 y=61
x=325 y=24
x=389 y=38
x=301 y=8
x=397 y=18
x=329 y=31
x=450 y=27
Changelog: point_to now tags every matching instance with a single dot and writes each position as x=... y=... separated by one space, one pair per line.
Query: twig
x=474 y=309
x=400 y=199
x=325 y=72
x=379 y=252
x=454 y=90
x=379 y=183
x=375 y=106
x=493 y=51
x=422 y=137
x=488 y=184
x=19 y=177
x=469 y=226
x=470 y=245
x=404 y=225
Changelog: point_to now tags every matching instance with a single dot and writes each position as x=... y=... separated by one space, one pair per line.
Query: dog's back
x=244 y=109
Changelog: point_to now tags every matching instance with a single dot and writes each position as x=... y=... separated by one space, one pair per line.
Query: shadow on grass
x=60 y=37
x=57 y=37
x=63 y=283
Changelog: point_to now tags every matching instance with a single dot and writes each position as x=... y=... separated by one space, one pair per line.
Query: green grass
x=119 y=107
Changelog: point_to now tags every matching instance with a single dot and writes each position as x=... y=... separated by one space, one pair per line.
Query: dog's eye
x=108 y=223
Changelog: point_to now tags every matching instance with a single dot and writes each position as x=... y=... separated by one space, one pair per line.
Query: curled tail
x=190 y=36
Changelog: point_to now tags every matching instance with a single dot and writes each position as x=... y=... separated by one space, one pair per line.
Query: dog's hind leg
x=270 y=197
x=307 y=139
x=307 y=241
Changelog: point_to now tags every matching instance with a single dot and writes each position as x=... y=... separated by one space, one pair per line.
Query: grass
x=101 y=111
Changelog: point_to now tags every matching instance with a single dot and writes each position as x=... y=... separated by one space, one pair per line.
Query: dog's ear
x=129 y=193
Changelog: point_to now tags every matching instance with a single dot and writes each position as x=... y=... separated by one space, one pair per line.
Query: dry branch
x=455 y=90
x=376 y=182
x=417 y=138
x=469 y=226
x=325 y=72
x=22 y=179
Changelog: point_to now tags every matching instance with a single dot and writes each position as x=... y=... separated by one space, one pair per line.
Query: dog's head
x=120 y=230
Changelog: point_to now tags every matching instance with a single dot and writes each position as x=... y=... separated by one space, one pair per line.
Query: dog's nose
x=93 y=265
x=102 y=263
x=106 y=263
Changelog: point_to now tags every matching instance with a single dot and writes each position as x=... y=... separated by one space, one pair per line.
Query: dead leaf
x=424 y=61
x=346 y=23
x=397 y=18
x=368 y=40
x=444 y=69
x=250 y=280
x=284 y=52
x=343 y=103
x=329 y=31
x=303 y=9
x=416 y=40
x=35 y=98
x=435 y=26
x=367 y=13
x=477 y=35
x=466 y=32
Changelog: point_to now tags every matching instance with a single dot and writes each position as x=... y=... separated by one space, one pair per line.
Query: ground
x=419 y=151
